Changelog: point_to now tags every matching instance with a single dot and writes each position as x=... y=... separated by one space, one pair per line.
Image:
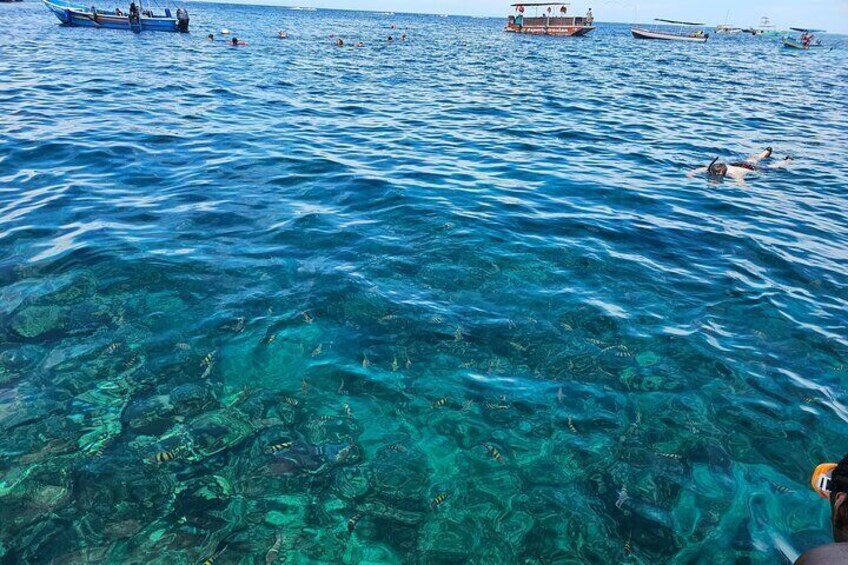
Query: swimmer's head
x=717 y=169
x=769 y=151
x=831 y=481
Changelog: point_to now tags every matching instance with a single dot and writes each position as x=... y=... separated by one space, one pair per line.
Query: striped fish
x=271 y=449
x=493 y=451
x=439 y=500
x=441 y=402
x=164 y=457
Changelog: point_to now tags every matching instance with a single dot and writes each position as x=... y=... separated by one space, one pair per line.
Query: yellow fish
x=279 y=447
x=395 y=365
x=163 y=457
x=571 y=426
x=348 y=412
x=493 y=451
x=291 y=401
x=439 y=500
x=317 y=351
x=271 y=339
x=307 y=318
x=207 y=361
x=440 y=403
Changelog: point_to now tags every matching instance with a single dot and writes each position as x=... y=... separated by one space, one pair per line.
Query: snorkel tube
x=717 y=169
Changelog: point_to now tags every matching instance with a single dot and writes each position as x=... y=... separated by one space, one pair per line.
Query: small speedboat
x=75 y=15
x=680 y=34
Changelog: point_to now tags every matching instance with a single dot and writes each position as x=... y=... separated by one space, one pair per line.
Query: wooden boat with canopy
x=550 y=18
x=137 y=18
x=680 y=34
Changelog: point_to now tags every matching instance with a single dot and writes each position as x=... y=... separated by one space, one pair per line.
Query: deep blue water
x=264 y=291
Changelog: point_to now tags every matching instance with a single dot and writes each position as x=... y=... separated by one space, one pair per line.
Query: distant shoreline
x=380 y=12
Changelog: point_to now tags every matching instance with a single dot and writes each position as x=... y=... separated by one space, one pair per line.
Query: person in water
x=739 y=169
x=236 y=42
x=210 y=37
x=340 y=42
x=831 y=482
x=282 y=35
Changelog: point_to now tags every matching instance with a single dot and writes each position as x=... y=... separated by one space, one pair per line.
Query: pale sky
x=831 y=15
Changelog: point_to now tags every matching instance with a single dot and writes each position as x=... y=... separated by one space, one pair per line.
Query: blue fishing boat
x=137 y=19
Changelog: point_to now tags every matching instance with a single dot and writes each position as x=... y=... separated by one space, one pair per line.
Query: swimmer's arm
x=698 y=171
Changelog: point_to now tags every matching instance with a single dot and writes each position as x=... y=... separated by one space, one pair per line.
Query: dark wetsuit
x=746 y=165
x=833 y=554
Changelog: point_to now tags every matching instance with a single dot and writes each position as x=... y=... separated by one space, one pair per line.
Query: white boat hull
x=640 y=33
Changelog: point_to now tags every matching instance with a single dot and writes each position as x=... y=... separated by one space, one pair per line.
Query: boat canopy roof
x=541 y=4
x=805 y=30
x=678 y=23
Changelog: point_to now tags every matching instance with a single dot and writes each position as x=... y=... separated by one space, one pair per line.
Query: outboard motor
x=182 y=20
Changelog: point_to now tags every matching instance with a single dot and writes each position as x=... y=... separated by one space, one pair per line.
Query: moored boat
x=725 y=29
x=805 y=41
x=680 y=34
x=793 y=44
x=136 y=20
x=554 y=20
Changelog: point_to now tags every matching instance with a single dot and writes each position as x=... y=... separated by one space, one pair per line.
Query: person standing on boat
x=519 y=21
x=134 y=15
x=590 y=18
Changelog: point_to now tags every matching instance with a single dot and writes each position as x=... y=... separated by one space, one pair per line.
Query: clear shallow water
x=397 y=253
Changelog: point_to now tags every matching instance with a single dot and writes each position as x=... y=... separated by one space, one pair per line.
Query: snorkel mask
x=821 y=481
x=717 y=169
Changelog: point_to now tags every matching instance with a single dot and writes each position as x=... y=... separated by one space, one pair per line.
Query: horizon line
x=272 y=4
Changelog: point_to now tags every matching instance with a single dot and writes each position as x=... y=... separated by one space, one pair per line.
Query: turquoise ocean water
x=253 y=299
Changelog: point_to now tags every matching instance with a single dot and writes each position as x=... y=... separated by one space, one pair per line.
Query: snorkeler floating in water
x=830 y=481
x=739 y=169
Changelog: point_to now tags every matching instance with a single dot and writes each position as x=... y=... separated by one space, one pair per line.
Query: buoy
x=225 y=31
